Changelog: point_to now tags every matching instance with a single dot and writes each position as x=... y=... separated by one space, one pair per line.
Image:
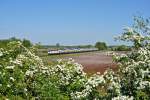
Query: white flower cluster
x=1 y=52
x=110 y=53
x=137 y=68
x=112 y=81
x=144 y=85
x=16 y=62
x=29 y=73
x=11 y=78
x=67 y=71
x=10 y=67
x=122 y=98
x=131 y=35
x=91 y=84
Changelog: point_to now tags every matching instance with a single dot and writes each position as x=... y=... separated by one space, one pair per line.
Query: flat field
x=91 y=61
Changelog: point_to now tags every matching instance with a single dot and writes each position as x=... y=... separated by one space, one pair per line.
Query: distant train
x=72 y=50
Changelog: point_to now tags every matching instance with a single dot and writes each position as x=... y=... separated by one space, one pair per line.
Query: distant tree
x=88 y=46
x=14 y=39
x=101 y=45
x=26 y=43
x=84 y=46
x=57 y=45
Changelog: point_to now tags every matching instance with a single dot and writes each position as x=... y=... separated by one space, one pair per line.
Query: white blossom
x=1 y=53
x=122 y=98
x=11 y=78
x=29 y=73
x=8 y=85
x=10 y=67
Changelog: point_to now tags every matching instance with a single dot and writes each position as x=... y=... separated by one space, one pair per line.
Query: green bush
x=101 y=45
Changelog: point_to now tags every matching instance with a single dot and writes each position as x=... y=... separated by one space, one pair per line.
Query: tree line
x=99 y=45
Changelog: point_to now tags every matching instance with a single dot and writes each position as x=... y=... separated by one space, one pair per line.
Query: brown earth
x=95 y=62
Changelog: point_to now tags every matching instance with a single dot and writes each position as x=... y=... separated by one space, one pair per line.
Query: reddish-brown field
x=95 y=62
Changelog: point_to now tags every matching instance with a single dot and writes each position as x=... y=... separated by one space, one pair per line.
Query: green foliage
x=4 y=42
x=101 y=45
x=121 y=48
x=141 y=96
x=26 y=43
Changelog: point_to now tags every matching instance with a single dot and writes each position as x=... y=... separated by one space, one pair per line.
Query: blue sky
x=68 y=22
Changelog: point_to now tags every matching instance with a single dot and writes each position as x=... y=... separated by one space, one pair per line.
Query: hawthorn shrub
x=23 y=75
x=134 y=68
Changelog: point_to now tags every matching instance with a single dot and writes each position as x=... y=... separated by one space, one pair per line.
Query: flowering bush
x=135 y=67
x=23 y=75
